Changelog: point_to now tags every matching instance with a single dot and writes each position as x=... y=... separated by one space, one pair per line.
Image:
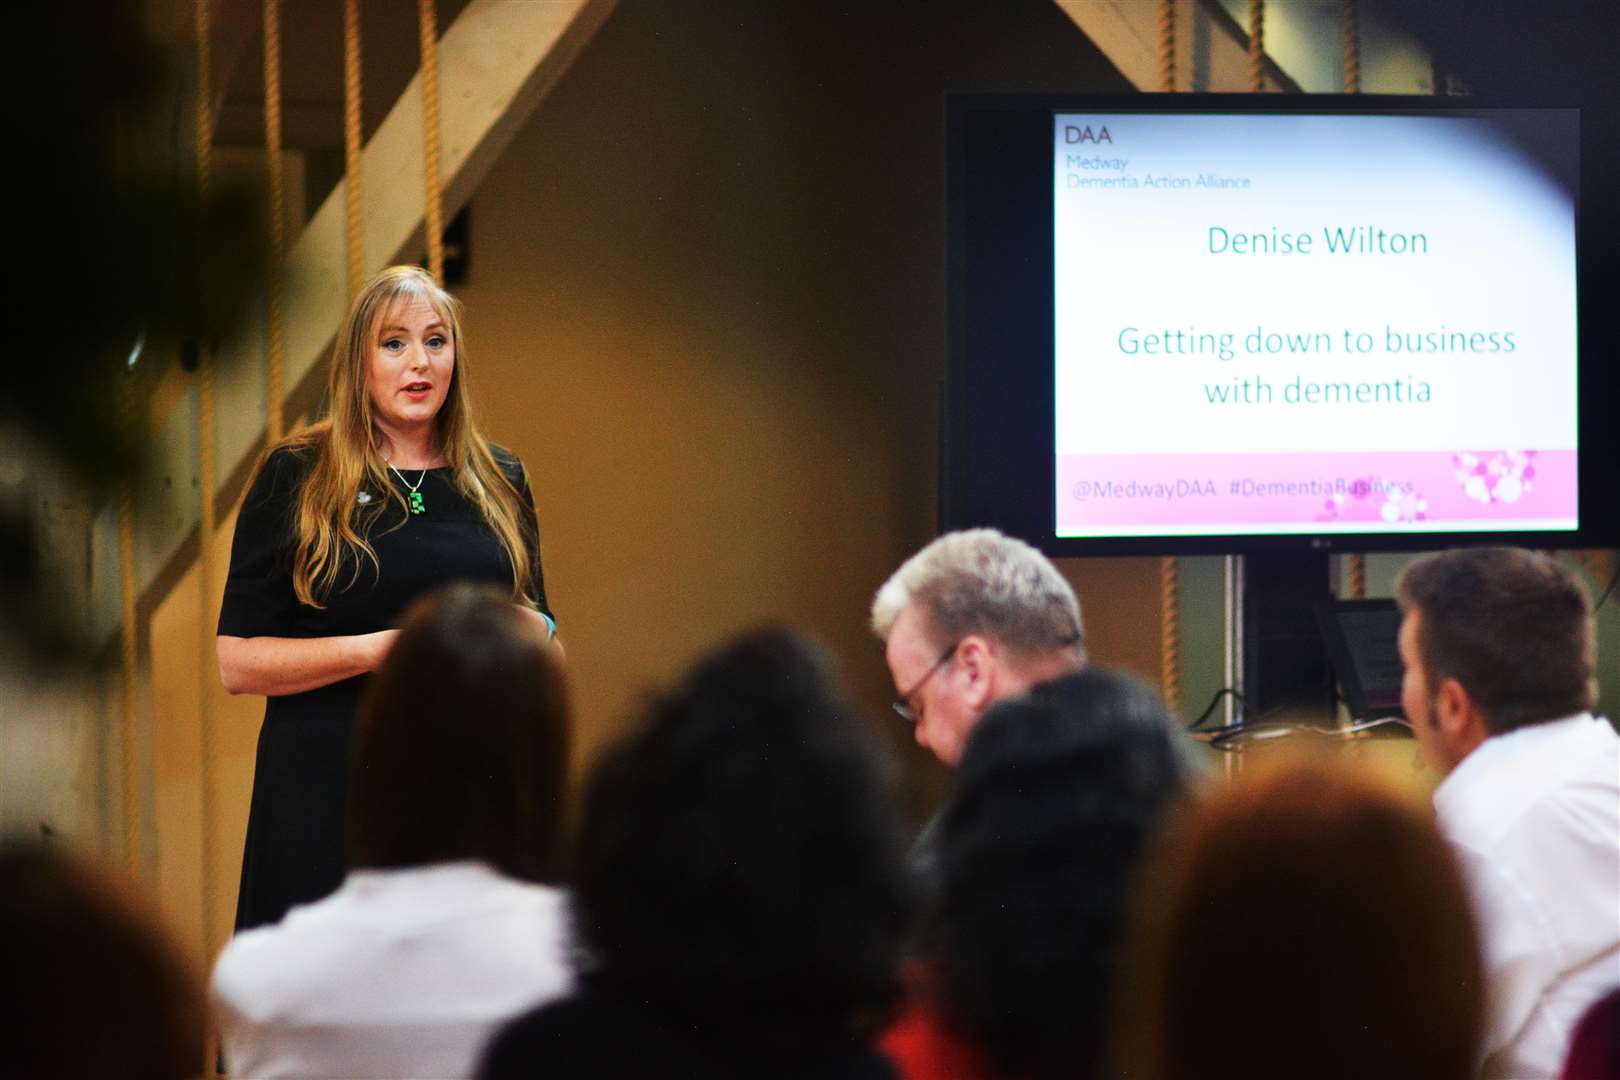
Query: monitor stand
x=1275 y=656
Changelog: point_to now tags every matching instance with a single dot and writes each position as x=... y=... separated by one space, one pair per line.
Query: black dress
x=296 y=830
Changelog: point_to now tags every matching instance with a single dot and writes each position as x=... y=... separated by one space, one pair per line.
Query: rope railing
x=1351 y=26
x=207 y=483
x=1167 y=45
x=1169 y=567
x=1355 y=567
x=1170 y=631
x=276 y=343
x=1355 y=564
x=433 y=213
x=1257 y=46
x=352 y=147
x=129 y=757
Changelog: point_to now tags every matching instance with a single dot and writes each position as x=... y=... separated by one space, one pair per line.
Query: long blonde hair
x=343 y=455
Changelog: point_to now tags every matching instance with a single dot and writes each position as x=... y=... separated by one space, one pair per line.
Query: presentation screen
x=1182 y=323
x=1280 y=323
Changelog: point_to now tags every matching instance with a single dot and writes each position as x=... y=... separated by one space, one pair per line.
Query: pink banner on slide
x=1432 y=491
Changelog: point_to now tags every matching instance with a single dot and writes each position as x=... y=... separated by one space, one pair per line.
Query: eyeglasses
x=903 y=706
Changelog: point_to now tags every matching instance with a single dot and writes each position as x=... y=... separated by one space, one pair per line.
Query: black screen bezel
x=996 y=449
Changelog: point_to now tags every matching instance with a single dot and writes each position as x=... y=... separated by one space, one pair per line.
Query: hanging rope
x=207 y=483
x=1167 y=45
x=129 y=758
x=1355 y=565
x=433 y=217
x=1257 y=46
x=204 y=114
x=1352 y=48
x=351 y=145
x=1356 y=571
x=1170 y=632
x=276 y=357
x=1169 y=568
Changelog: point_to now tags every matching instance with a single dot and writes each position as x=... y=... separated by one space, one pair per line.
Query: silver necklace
x=418 y=503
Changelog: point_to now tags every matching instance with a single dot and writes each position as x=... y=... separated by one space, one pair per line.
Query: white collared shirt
x=1534 y=816
x=400 y=973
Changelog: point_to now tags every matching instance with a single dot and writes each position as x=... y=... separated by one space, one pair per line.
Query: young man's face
x=1417 y=696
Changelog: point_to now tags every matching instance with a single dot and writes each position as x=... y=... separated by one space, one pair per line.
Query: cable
x=1228 y=738
x=1368 y=725
x=1224 y=691
x=1245 y=725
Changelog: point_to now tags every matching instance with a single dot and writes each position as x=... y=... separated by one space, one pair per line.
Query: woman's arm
x=273 y=666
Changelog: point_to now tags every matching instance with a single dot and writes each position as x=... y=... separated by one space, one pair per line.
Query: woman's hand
x=275 y=666
x=545 y=627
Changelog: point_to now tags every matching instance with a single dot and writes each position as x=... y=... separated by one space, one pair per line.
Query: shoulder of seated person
x=245 y=963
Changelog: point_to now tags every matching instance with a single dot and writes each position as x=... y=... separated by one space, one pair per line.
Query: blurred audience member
x=973 y=618
x=1499 y=655
x=1057 y=796
x=740 y=899
x=440 y=932
x=95 y=990
x=1304 y=921
x=1594 y=1052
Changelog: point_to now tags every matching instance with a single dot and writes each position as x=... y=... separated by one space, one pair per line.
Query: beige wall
x=706 y=306
x=199 y=903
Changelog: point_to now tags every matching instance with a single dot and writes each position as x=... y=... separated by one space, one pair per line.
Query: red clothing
x=924 y=1047
x=1594 y=1053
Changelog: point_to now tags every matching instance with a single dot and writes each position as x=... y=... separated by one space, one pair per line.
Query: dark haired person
x=94 y=988
x=441 y=931
x=1057 y=795
x=1498 y=648
x=1304 y=922
x=740 y=898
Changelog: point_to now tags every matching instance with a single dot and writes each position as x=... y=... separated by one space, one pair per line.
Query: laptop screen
x=1360 y=637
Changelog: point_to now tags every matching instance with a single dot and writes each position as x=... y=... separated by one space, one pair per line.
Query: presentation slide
x=1271 y=324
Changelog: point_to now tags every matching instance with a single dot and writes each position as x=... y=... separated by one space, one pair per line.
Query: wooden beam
x=1127 y=33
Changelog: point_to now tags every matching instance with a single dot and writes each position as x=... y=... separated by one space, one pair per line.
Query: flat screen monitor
x=1222 y=323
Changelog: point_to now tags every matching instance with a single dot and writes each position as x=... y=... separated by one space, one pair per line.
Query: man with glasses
x=971 y=619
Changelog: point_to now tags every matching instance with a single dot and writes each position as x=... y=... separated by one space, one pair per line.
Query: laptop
x=1360 y=640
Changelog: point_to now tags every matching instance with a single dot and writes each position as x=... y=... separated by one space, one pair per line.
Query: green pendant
x=418 y=503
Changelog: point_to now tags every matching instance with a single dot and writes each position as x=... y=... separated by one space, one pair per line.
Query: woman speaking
x=343 y=526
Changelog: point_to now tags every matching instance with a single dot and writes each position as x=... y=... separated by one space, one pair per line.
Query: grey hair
x=979 y=581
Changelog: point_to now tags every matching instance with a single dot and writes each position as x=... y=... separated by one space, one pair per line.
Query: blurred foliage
x=111 y=244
